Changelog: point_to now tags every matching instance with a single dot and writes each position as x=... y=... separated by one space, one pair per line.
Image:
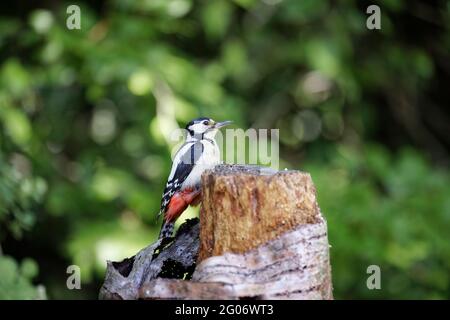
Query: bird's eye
x=206 y=122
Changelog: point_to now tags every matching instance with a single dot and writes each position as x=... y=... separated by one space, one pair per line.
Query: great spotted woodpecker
x=199 y=153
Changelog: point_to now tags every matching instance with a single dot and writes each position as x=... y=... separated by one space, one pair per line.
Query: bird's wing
x=183 y=163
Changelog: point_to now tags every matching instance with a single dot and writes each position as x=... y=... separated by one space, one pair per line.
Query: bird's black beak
x=219 y=125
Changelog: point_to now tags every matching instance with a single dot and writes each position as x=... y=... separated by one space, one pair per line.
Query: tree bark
x=244 y=207
x=261 y=235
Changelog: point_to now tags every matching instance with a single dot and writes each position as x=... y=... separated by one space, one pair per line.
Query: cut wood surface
x=261 y=235
x=245 y=206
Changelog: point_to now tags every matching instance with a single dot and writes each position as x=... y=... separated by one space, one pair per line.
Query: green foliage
x=86 y=116
x=15 y=282
x=18 y=193
x=390 y=211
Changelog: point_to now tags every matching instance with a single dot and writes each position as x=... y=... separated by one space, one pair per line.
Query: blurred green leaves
x=17 y=125
x=15 y=282
x=19 y=194
x=392 y=211
x=140 y=83
x=15 y=78
x=41 y=21
x=86 y=117
x=216 y=16
x=97 y=242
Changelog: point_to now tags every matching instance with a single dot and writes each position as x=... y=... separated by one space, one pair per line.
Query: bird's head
x=204 y=128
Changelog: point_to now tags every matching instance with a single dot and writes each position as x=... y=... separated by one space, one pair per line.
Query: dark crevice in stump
x=174 y=258
x=124 y=267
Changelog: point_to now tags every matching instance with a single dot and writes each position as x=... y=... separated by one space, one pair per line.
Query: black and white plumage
x=182 y=166
x=199 y=153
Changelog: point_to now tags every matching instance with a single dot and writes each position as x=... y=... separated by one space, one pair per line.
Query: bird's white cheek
x=211 y=134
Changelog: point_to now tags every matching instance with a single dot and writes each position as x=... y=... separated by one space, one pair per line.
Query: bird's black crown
x=197 y=120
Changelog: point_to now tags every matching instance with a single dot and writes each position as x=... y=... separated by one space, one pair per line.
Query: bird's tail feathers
x=166 y=229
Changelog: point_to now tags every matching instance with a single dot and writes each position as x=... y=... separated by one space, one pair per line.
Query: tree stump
x=261 y=236
x=244 y=207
